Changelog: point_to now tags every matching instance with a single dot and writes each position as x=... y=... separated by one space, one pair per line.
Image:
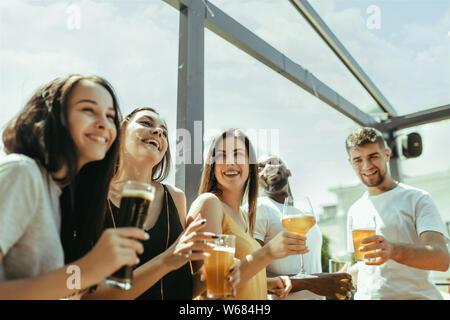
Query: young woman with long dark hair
x=230 y=178
x=63 y=143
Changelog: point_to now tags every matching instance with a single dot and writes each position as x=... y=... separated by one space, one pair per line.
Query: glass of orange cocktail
x=299 y=219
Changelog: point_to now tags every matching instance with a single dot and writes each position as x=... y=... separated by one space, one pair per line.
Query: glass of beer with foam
x=362 y=227
x=134 y=208
x=217 y=266
x=299 y=219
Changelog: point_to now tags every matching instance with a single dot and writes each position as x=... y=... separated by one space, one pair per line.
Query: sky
x=403 y=46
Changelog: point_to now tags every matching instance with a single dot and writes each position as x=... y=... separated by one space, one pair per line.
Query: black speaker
x=412 y=145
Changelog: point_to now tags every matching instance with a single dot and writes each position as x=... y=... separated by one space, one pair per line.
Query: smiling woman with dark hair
x=63 y=141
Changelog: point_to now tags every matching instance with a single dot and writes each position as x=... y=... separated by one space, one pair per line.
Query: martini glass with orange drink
x=299 y=219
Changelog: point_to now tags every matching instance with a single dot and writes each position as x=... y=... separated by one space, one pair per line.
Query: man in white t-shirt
x=410 y=235
x=273 y=178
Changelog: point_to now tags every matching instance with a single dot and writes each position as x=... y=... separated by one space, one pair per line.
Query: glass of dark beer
x=134 y=208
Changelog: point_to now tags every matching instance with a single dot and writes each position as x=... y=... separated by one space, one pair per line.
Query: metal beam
x=176 y=4
x=190 y=103
x=194 y=16
x=197 y=14
x=235 y=33
x=416 y=118
x=307 y=11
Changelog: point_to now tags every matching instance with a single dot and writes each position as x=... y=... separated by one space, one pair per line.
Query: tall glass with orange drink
x=217 y=266
x=362 y=229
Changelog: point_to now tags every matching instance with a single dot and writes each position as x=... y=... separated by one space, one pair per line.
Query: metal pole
x=417 y=118
x=395 y=161
x=316 y=22
x=190 y=104
x=235 y=33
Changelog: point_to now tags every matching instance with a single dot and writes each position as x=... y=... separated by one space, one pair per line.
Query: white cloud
x=135 y=51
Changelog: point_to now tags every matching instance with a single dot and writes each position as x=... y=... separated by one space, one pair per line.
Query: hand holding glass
x=340 y=266
x=217 y=266
x=299 y=219
x=134 y=209
x=361 y=229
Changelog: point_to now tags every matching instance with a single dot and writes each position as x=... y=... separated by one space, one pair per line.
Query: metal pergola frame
x=195 y=15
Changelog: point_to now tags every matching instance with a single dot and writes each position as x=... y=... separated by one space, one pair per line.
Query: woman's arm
x=189 y=246
x=49 y=286
x=144 y=277
x=114 y=250
x=282 y=245
x=209 y=207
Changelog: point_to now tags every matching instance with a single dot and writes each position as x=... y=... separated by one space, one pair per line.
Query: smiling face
x=91 y=116
x=370 y=163
x=146 y=138
x=273 y=174
x=231 y=167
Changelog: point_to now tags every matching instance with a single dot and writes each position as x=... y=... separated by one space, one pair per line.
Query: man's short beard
x=376 y=183
x=277 y=186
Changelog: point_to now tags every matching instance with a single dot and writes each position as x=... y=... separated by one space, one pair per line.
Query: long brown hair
x=208 y=182
x=40 y=131
x=159 y=172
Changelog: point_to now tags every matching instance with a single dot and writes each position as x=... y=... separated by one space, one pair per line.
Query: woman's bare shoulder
x=179 y=198
x=174 y=191
x=210 y=208
x=177 y=194
x=207 y=200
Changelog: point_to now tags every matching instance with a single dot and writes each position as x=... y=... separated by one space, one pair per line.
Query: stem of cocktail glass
x=302 y=267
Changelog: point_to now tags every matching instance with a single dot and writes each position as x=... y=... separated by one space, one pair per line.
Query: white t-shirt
x=401 y=214
x=267 y=226
x=30 y=219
